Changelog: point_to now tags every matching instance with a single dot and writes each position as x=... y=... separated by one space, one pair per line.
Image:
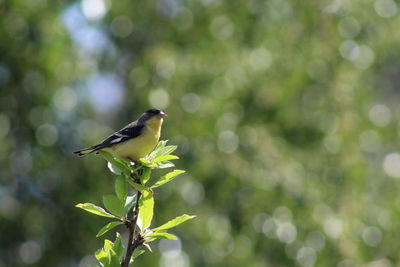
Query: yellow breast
x=140 y=146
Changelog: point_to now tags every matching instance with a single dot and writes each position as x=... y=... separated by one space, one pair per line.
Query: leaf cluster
x=135 y=210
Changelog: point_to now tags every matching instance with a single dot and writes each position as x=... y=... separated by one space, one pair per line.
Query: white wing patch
x=116 y=140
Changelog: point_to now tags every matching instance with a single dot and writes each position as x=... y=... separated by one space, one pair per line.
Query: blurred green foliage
x=285 y=113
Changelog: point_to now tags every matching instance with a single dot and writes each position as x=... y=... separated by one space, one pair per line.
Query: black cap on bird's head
x=152 y=113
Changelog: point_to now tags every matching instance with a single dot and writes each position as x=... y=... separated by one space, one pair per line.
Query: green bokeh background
x=285 y=113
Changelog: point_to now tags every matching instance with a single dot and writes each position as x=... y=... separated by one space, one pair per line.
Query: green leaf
x=165 y=158
x=160 y=150
x=89 y=207
x=101 y=256
x=165 y=164
x=107 y=228
x=167 y=150
x=173 y=222
x=121 y=188
x=118 y=246
x=137 y=186
x=114 y=205
x=137 y=253
x=166 y=178
x=108 y=244
x=146 y=163
x=145 y=176
x=116 y=165
x=146 y=206
x=130 y=201
x=114 y=169
x=148 y=247
x=158 y=235
x=113 y=258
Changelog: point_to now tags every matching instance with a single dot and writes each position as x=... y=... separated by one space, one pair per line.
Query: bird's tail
x=84 y=151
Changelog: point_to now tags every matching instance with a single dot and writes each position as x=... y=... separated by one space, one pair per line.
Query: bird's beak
x=163 y=114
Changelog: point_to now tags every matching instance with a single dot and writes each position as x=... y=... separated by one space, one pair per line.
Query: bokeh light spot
x=222 y=27
x=371 y=236
x=30 y=252
x=47 y=135
x=349 y=27
x=268 y=227
x=316 y=240
x=190 y=102
x=121 y=26
x=159 y=98
x=380 y=115
x=260 y=59
x=286 y=232
x=192 y=191
x=94 y=9
x=228 y=142
x=386 y=8
x=333 y=227
x=365 y=58
x=9 y=207
x=166 y=68
x=65 y=99
x=306 y=256
x=349 y=50
x=391 y=165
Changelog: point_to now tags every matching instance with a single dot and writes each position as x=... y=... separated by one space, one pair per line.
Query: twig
x=133 y=243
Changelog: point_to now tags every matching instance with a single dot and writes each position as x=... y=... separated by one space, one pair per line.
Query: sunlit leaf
x=121 y=188
x=146 y=206
x=160 y=150
x=146 y=163
x=107 y=228
x=173 y=222
x=166 y=178
x=158 y=235
x=101 y=256
x=164 y=165
x=139 y=224
x=108 y=244
x=146 y=175
x=165 y=158
x=114 y=205
x=89 y=207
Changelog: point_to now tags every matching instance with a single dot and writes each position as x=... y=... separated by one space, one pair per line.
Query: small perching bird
x=135 y=140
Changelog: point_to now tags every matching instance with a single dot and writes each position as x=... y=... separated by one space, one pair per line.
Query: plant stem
x=133 y=243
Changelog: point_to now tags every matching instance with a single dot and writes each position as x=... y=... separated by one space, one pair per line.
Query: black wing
x=131 y=130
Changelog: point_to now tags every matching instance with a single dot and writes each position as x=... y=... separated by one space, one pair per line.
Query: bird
x=134 y=141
